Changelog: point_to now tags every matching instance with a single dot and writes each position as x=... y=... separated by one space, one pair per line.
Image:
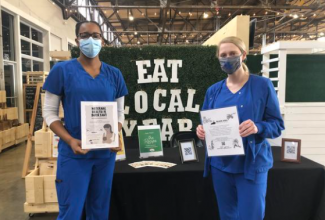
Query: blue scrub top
x=231 y=164
x=258 y=102
x=70 y=81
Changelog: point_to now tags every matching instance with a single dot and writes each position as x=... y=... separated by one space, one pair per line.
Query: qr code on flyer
x=291 y=150
x=188 y=151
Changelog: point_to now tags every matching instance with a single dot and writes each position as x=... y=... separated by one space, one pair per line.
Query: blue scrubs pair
x=240 y=182
x=83 y=181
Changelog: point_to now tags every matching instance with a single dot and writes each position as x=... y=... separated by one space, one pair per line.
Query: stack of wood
x=40 y=183
x=11 y=131
x=40 y=188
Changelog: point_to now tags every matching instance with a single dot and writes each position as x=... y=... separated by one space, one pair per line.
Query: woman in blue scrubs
x=84 y=178
x=240 y=182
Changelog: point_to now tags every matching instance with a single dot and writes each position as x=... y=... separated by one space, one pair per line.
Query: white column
x=266 y=65
x=282 y=75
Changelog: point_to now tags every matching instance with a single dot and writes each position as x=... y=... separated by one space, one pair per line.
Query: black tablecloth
x=295 y=191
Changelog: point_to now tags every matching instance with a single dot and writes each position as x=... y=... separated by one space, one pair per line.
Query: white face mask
x=90 y=47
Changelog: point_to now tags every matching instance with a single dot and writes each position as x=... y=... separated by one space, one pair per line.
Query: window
x=32 y=48
x=37 y=36
x=70 y=46
x=8 y=36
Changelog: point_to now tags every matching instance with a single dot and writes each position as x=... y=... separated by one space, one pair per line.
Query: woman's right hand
x=75 y=145
x=200 y=132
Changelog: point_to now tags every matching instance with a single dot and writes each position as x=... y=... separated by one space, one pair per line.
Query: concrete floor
x=12 y=186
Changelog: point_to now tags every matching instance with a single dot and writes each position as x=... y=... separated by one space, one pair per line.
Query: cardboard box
x=40 y=188
x=43 y=143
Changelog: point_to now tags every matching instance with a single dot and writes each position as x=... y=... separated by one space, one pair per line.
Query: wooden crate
x=12 y=113
x=35 y=77
x=40 y=189
x=61 y=111
x=8 y=138
x=22 y=131
x=41 y=208
x=0 y=141
x=60 y=55
x=4 y=125
x=3 y=96
x=43 y=143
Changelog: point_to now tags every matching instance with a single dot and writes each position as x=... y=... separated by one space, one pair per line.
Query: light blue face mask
x=90 y=47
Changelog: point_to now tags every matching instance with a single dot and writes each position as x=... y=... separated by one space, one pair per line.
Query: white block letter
x=142 y=71
x=183 y=122
x=128 y=130
x=156 y=106
x=175 y=100
x=166 y=123
x=174 y=64
x=159 y=63
x=141 y=101
x=152 y=121
x=190 y=98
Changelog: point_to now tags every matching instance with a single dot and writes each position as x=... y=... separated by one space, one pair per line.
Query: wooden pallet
x=41 y=208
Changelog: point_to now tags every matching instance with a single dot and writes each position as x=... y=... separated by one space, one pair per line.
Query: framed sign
x=150 y=141
x=291 y=149
x=187 y=150
x=99 y=125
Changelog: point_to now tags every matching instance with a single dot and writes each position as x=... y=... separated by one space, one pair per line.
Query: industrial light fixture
x=135 y=33
x=314 y=15
x=205 y=15
x=295 y=16
x=138 y=42
x=131 y=18
x=266 y=12
x=254 y=14
x=321 y=33
x=229 y=14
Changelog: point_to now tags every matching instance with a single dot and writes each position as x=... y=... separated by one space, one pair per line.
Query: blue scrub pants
x=84 y=183
x=239 y=198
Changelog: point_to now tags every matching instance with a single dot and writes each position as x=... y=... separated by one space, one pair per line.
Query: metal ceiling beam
x=166 y=32
x=165 y=9
x=205 y=7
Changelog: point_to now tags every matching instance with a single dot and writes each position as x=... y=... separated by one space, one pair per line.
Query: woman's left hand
x=247 y=128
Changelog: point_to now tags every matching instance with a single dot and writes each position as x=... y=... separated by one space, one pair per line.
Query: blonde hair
x=238 y=43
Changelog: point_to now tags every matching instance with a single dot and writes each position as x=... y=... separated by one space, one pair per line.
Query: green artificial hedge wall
x=200 y=69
